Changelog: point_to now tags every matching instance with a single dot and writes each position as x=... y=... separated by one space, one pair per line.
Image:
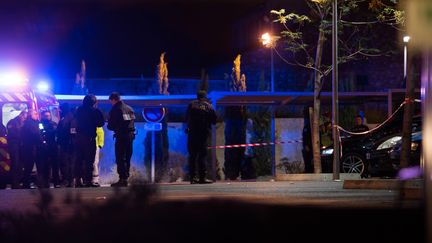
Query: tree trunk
x=317 y=105
x=407 y=117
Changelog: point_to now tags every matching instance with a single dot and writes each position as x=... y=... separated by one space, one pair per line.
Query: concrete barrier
x=383 y=184
x=315 y=177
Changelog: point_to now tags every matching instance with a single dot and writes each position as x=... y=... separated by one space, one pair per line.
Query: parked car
x=386 y=162
x=359 y=151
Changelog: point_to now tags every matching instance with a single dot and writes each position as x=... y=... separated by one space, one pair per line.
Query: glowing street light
x=267 y=40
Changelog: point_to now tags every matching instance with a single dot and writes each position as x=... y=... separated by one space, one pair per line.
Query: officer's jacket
x=48 y=132
x=14 y=127
x=200 y=115
x=32 y=132
x=88 y=118
x=64 y=131
x=121 y=119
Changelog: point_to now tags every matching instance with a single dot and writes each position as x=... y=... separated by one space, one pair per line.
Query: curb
x=316 y=177
x=383 y=184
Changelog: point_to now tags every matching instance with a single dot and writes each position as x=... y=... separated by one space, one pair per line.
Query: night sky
x=124 y=38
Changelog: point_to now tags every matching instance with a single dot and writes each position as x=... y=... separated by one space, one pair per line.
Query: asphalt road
x=298 y=193
x=298 y=211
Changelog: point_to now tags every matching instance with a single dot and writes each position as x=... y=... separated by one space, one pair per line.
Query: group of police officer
x=65 y=154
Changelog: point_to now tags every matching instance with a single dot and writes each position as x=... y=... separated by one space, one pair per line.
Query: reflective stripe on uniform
x=8 y=97
x=4 y=154
x=5 y=166
x=20 y=97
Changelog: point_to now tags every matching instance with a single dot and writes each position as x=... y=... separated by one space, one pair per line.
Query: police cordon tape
x=300 y=141
x=254 y=144
x=406 y=101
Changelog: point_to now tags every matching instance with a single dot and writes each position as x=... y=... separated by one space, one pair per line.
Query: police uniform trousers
x=30 y=158
x=85 y=154
x=123 y=154
x=49 y=161
x=17 y=164
x=197 y=148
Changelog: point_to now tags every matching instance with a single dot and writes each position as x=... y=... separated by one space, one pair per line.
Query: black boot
x=204 y=181
x=120 y=183
x=194 y=180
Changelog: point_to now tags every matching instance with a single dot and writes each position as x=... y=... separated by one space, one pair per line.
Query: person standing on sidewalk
x=30 y=148
x=88 y=118
x=200 y=116
x=122 y=121
x=14 y=142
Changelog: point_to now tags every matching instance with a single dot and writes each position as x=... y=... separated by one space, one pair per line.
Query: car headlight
x=328 y=151
x=414 y=146
x=389 y=143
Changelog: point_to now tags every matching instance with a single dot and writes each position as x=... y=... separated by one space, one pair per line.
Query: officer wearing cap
x=122 y=121
x=200 y=116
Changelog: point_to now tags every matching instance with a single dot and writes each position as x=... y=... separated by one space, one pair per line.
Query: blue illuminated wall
x=177 y=150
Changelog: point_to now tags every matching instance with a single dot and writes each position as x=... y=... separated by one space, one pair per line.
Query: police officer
x=88 y=118
x=48 y=150
x=30 y=146
x=65 y=145
x=121 y=121
x=200 y=116
x=14 y=139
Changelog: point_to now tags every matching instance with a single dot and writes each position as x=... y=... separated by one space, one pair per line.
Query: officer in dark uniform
x=48 y=150
x=200 y=116
x=88 y=117
x=14 y=141
x=65 y=145
x=122 y=121
x=30 y=145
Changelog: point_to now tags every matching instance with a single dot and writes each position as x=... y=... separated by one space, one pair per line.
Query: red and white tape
x=253 y=144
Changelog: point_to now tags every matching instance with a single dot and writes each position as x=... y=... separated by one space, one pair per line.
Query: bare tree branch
x=315 y=9
x=359 y=22
x=296 y=63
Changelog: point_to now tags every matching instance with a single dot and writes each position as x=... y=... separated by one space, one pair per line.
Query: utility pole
x=408 y=111
x=335 y=102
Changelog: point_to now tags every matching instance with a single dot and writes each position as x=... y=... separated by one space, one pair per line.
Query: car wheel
x=353 y=163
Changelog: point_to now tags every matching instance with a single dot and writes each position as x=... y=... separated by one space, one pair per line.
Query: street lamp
x=269 y=41
x=406 y=39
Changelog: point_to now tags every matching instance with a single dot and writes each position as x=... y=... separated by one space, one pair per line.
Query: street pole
x=406 y=40
x=405 y=60
x=273 y=125
x=153 y=156
x=426 y=96
x=409 y=106
x=272 y=70
x=335 y=102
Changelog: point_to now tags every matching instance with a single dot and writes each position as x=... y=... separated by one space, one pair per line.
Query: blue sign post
x=153 y=116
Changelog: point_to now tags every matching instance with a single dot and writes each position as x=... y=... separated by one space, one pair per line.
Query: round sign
x=153 y=114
